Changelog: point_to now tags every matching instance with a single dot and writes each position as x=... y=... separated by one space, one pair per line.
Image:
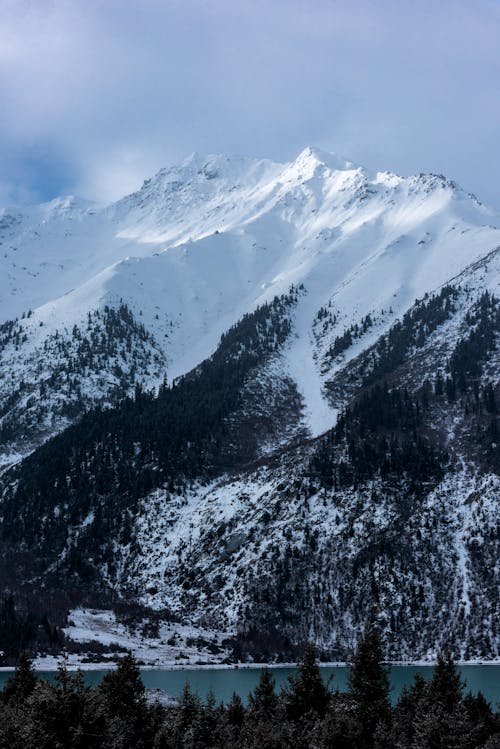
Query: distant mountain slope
x=265 y=397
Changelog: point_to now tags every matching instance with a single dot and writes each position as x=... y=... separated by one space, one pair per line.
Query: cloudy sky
x=96 y=95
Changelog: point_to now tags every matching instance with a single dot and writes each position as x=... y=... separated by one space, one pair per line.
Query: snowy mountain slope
x=393 y=514
x=43 y=388
x=203 y=243
x=350 y=368
x=323 y=445
x=273 y=550
x=251 y=552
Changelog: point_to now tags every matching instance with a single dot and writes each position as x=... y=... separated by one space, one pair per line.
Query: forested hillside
x=256 y=405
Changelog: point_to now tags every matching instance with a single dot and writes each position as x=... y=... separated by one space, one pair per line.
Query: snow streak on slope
x=303 y=369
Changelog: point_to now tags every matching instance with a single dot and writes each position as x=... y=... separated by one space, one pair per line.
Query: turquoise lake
x=223 y=682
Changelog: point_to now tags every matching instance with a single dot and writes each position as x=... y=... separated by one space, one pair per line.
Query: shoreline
x=168 y=666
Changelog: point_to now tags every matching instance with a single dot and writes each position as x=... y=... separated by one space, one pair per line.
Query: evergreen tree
x=122 y=691
x=22 y=684
x=369 y=684
x=235 y=711
x=446 y=686
x=481 y=716
x=409 y=704
x=188 y=710
x=307 y=691
x=263 y=701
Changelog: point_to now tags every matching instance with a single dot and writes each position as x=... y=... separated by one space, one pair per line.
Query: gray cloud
x=95 y=95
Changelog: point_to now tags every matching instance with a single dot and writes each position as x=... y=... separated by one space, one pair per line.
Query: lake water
x=223 y=682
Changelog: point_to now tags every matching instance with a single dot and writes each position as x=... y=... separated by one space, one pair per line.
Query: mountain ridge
x=313 y=228
x=196 y=391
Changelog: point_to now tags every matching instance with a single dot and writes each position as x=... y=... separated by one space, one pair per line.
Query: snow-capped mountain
x=204 y=243
x=260 y=301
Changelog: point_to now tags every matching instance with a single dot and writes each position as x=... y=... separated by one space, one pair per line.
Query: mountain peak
x=312 y=156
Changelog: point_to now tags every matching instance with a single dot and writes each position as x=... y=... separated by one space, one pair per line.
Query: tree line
x=306 y=714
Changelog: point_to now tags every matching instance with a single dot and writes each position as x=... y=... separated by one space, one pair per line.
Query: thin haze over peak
x=98 y=96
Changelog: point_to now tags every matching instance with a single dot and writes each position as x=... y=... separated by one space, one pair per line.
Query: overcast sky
x=96 y=95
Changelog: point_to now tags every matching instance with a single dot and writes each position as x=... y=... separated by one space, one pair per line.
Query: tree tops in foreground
x=306 y=714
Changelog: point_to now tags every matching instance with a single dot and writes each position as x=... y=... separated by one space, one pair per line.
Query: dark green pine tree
x=263 y=701
x=22 y=684
x=446 y=686
x=481 y=717
x=123 y=695
x=188 y=710
x=410 y=702
x=307 y=692
x=122 y=689
x=235 y=711
x=369 y=685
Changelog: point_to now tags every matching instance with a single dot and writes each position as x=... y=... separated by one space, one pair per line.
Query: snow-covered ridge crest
x=204 y=242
